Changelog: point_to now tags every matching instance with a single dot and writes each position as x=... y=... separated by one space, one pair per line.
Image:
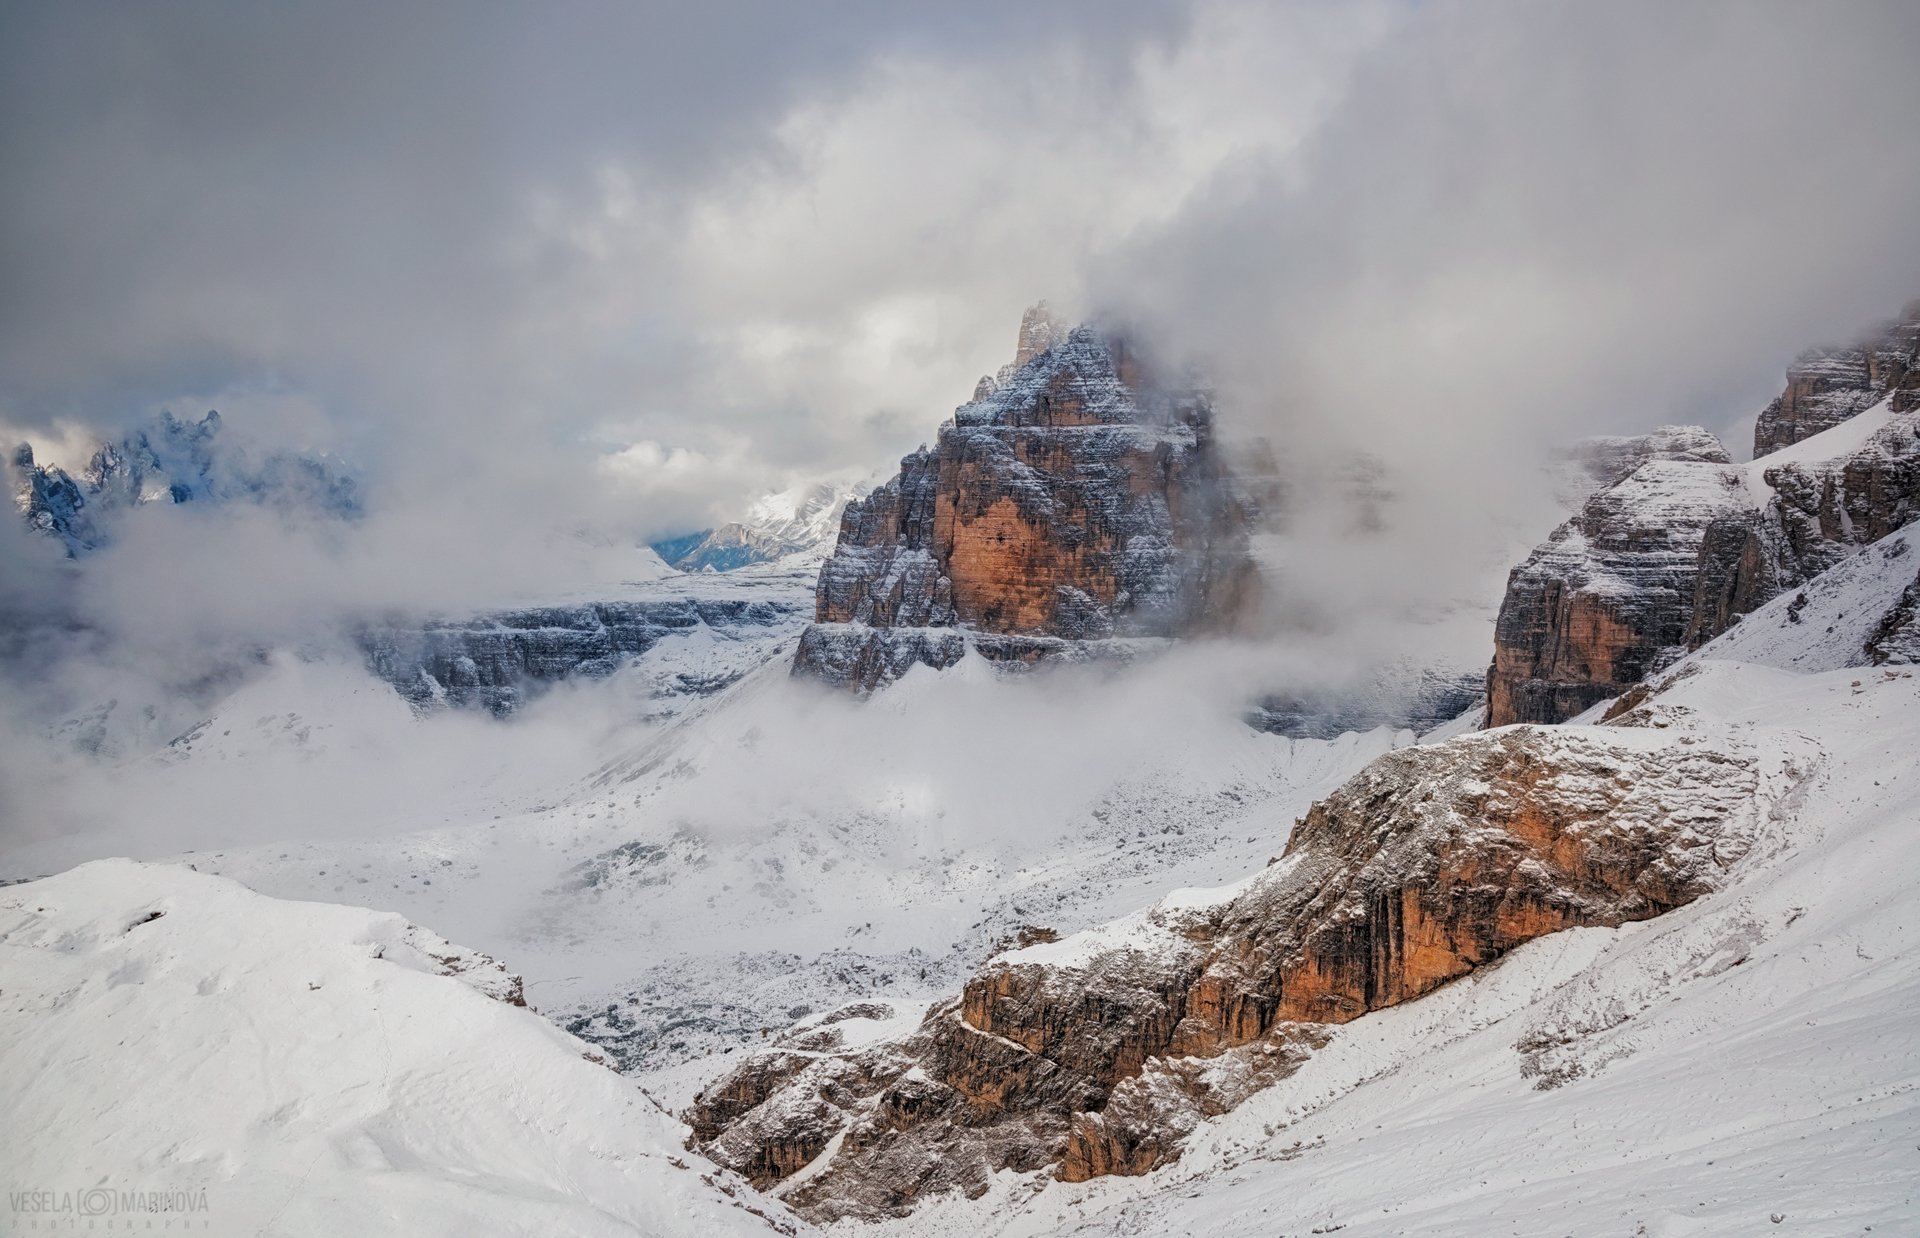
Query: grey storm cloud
x=619 y=269
x=627 y=266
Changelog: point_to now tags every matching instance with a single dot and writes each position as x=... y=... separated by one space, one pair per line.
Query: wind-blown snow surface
x=1829 y=622
x=311 y=1069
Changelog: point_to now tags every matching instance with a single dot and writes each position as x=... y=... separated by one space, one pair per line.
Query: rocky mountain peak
x=1076 y=498
x=1039 y=331
x=1589 y=465
x=173 y=460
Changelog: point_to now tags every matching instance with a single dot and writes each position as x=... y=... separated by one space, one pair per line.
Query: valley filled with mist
x=1118 y=619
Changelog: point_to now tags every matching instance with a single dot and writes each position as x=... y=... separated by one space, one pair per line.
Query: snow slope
x=300 y=1068
x=719 y=877
x=1742 y=1063
x=1826 y=624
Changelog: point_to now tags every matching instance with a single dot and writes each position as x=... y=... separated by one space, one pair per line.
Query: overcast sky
x=637 y=263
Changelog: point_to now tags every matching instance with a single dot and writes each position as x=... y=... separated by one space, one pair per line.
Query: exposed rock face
x=1895 y=640
x=1418 y=702
x=1077 y=498
x=1826 y=386
x=496 y=661
x=1039 y=331
x=1096 y=1054
x=1674 y=554
x=1610 y=596
x=52 y=502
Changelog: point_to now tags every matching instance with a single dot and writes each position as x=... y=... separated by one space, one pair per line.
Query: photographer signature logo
x=184 y=1209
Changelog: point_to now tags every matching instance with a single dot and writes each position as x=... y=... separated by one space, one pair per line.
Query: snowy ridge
x=170 y=460
x=314 y=1069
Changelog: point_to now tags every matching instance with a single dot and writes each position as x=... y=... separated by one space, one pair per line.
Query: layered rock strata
x=496 y=661
x=1590 y=465
x=1826 y=386
x=1076 y=498
x=1609 y=598
x=1098 y=1053
x=1676 y=552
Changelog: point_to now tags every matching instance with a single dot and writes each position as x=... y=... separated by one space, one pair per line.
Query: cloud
x=1520 y=225
x=622 y=269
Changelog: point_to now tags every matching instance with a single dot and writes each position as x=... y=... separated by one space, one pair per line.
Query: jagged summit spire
x=1040 y=330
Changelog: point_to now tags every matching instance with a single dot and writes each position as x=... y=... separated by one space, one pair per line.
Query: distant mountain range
x=173 y=460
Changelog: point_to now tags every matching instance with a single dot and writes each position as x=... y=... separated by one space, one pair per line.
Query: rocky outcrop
x=53 y=503
x=1826 y=386
x=1097 y=1053
x=1895 y=640
x=1417 y=700
x=497 y=661
x=1674 y=553
x=1610 y=597
x=1585 y=467
x=1077 y=498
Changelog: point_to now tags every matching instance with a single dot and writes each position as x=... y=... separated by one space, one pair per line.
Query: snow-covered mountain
x=183 y=1050
x=1724 y=1066
x=173 y=460
x=1076 y=951
x=800 y=522
x=498 y=660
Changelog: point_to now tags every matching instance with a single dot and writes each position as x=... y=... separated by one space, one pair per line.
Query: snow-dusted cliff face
x=1590 y=465
x=1099 y=1053
x=300 y=1068
x=1679 y=550
x=1076 y=498
x=1677 y=543
x=175 y=461
x=499 y=660
x=1826 y=386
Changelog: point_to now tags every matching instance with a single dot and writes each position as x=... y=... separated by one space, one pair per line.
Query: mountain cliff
x=1078 y=497
x=799 y=521
x=1826 y=386
x=1097 y=1054
x=1678 y=549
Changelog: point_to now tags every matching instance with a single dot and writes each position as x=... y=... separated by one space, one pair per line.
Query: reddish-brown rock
x=1675 y=551
x=1083 y=1054
x=1077 y=497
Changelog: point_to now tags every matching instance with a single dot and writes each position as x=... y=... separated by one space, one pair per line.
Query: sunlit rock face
x=1826 y=386
x=1077 y=498
x=1099 y=1053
